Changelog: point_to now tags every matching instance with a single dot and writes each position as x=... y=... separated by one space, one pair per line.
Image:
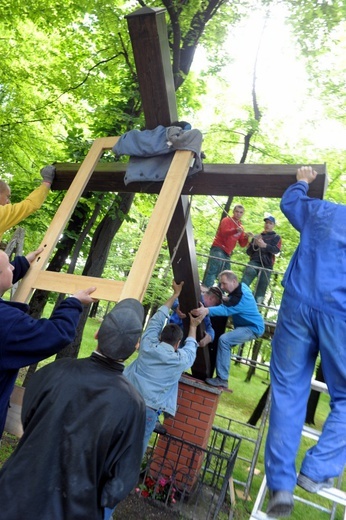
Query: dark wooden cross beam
x=148 y=32
x=238 y=180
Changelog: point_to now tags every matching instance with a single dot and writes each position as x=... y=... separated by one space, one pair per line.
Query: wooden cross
x=148 y=32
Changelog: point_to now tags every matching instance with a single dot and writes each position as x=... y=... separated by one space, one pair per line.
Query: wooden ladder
x=145 y=259
x=110 y=290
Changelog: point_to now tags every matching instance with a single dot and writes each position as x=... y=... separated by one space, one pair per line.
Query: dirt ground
x=140 y=508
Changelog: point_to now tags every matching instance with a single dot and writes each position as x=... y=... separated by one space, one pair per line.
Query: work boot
x=313 y=487
x=217 y=381
x=280 y=504
x=159 y=428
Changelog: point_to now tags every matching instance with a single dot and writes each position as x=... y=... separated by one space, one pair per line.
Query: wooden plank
x=149 y=38
x=148 y=251
x=109 y=290
x=63 y=214
x=241 y=180
x=182 y=249
x=148 y=32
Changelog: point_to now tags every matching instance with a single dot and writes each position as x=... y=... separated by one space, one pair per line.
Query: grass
x=236 y=406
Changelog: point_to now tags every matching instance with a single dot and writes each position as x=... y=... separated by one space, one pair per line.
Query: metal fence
x=195 y=481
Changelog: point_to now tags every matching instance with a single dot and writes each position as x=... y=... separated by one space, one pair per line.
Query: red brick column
x=197 y=405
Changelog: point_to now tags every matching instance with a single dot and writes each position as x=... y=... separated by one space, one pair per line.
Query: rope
x=155 y=294
x=224 y=211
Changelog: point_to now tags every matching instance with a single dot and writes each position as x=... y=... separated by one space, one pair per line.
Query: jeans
x=107 y=513
x=250 y=273
x=215 y=265
x=301 y=332
x=226 y=342
x=151 y=416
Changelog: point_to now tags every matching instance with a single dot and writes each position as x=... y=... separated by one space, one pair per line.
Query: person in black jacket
x=262 y=250
x=83 y=423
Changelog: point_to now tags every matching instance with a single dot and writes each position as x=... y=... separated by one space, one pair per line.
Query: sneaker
x=217 y=381
x=313 y=487
x=159 y=428
x=280 y=504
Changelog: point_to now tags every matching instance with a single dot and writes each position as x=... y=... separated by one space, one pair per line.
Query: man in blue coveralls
x=312 y=319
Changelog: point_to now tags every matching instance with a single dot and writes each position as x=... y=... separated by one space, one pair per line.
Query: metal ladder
x=336 y=495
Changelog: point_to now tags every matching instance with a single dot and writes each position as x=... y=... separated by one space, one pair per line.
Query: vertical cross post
x=149 y=38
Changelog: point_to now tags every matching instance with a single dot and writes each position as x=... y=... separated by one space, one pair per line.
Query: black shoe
x=217 y=381
x=313 y=487
x=280 y=504
x=159 y=428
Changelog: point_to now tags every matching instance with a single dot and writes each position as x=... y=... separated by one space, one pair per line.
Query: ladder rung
x=319 y=386
x=311 y=433
x=259 y=515
x=336 y=495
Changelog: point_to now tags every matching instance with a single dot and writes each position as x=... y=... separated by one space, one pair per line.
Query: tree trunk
x=255 y=351
x=256 y=414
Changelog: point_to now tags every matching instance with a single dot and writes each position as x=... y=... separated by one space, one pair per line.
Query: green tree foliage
x=67 y=76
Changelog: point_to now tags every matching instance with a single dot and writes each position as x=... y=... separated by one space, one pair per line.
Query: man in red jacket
x=229 y=234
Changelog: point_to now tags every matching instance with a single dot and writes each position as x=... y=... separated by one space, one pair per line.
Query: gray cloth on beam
x=151 y=151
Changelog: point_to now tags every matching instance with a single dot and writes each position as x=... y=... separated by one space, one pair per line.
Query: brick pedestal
x=197 y=405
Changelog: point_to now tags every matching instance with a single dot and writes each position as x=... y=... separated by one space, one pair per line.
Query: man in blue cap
x=262 y=250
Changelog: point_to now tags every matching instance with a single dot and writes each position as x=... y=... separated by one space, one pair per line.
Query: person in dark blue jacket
x=247 y=321
x=210 y=298
x=24 y=340
x=262 y=250
x=312 y=320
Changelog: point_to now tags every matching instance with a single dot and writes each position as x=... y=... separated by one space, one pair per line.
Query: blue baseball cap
x=270 y=218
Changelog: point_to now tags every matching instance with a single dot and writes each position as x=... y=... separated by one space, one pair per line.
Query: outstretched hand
x=177 y=288
x=205 y=340
x=307 y=174
x=33 y=255
x=201 y=312
x=195 y=320
x=84 y=295
x=181 y=315
x=48 y=173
